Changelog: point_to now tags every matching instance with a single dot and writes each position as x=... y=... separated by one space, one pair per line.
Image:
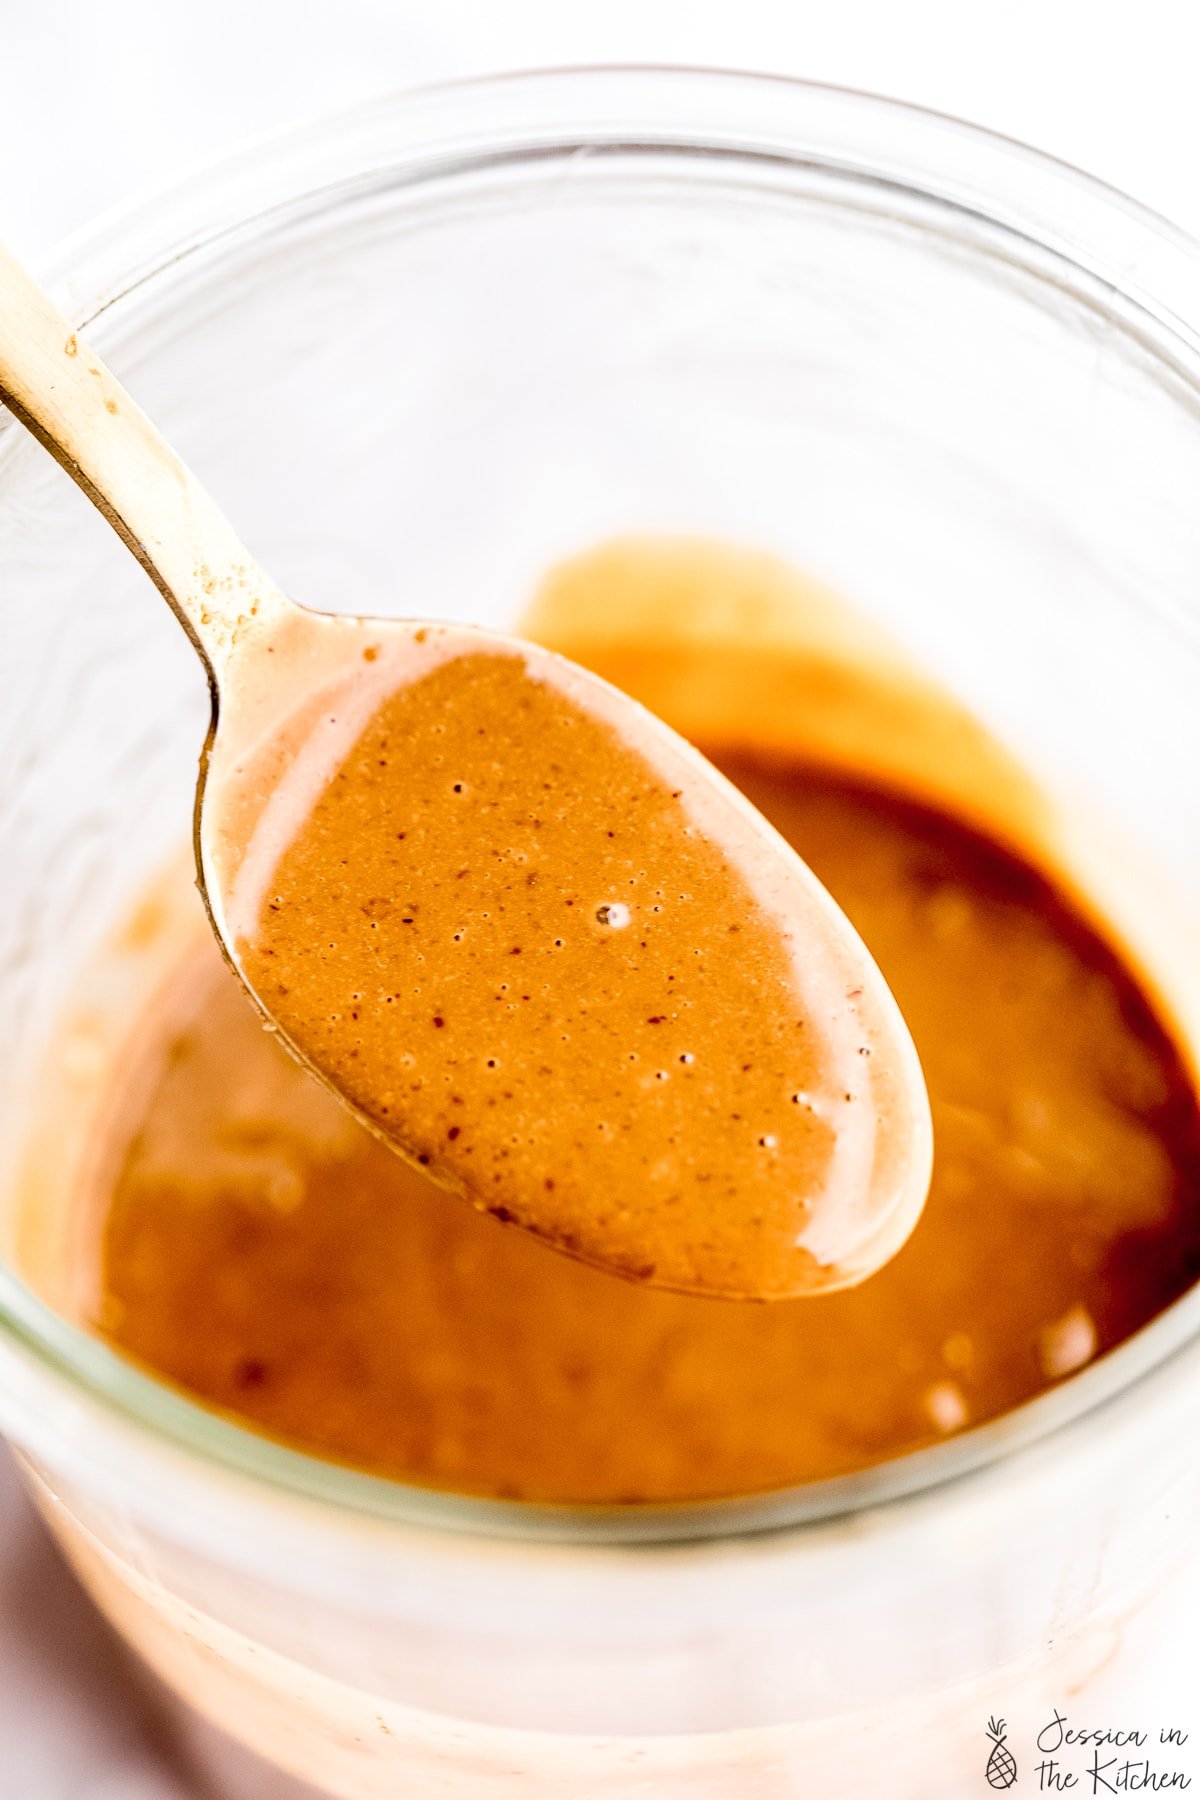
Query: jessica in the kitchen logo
x=1092 y=1759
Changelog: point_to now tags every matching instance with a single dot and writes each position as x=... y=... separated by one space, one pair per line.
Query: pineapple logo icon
x=1001 y=1764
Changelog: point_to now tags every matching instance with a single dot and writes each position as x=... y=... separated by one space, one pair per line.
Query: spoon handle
x=72 y=403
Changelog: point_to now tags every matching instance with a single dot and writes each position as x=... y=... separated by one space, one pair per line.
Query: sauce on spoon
x=435 y=856
x=551 y=952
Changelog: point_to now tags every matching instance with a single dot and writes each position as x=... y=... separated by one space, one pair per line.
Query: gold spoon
x=695 y=1076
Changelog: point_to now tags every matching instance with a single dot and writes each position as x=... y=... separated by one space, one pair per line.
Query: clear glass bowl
x=955 y=380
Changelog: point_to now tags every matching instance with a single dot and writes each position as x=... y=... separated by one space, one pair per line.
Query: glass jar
x=957 y=381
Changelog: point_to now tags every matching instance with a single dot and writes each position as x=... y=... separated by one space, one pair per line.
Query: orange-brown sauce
x=266 y=1253
x=530 y=956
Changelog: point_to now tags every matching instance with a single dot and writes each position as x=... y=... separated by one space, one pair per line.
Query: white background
x=102 y=98
x=99 y=98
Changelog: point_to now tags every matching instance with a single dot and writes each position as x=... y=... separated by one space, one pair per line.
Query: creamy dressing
x=547 y=951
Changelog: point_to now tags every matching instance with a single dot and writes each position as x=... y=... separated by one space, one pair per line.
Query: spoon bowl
x=528 y=933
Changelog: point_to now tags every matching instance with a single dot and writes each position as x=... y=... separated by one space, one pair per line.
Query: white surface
x=101 y=101
x=116 y=97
